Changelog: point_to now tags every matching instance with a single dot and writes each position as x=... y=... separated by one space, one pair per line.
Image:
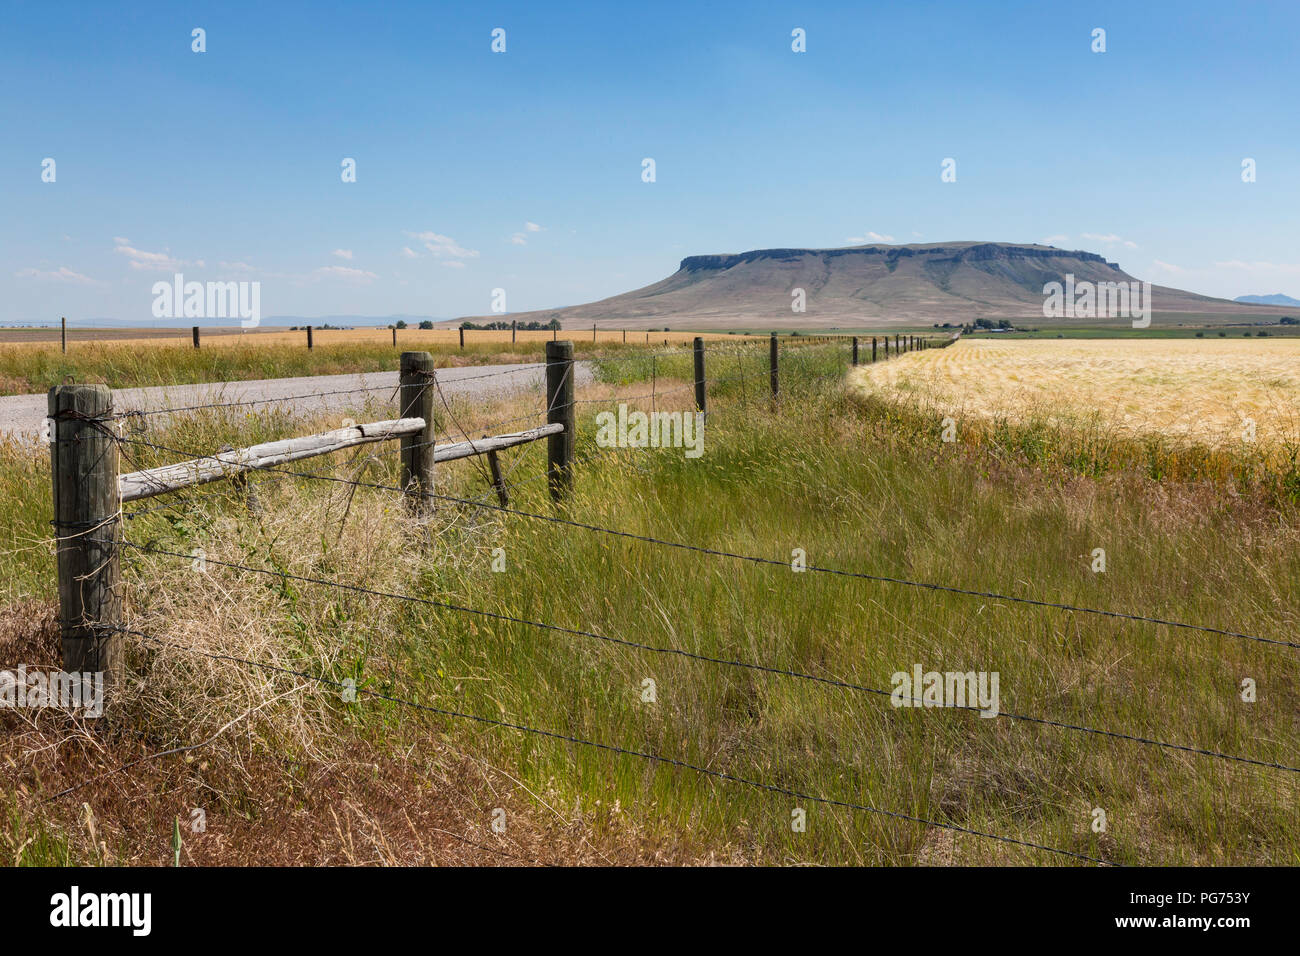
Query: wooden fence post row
x=700 y=397
x=560 y=409
x=87 y=528
x=416 y=394
x=774 y=359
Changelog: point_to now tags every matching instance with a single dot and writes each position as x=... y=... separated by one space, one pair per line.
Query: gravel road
x=21 y=415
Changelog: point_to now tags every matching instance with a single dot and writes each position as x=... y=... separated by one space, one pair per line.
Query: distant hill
x=1276 y=298
x=871 y=286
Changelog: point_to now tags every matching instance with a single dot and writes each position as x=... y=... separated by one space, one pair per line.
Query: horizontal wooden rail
x=481 y=446
x=200 y=471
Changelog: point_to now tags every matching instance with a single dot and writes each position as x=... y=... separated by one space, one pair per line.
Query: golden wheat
x=1206 y=391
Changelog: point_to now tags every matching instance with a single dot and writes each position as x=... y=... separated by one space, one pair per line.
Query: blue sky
x=522 y=170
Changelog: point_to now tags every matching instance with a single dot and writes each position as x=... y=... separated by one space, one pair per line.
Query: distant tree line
x=526 y=326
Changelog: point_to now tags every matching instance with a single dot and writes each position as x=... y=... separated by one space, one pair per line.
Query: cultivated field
x=1203 y=391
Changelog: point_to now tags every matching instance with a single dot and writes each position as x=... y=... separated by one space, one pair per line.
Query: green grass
x=858 y=487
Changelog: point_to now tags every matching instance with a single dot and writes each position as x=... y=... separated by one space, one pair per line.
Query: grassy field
x=33 y=366
x=290 y=772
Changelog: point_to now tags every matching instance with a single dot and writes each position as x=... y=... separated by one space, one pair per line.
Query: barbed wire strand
x=645 y=755
x=692 y=655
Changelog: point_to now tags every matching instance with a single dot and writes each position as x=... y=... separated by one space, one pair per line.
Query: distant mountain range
x=1277 y=298
x=874 y=286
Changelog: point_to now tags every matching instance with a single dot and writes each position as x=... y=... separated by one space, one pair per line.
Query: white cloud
x=410 y=253
x=521 y=238
x=1110 y=237
x=151 y=261
x=441 y=246
x=1053 y=240
x=452 y=264
x=343 y=254
x=61 y=274
x=346 y=273
x=869 y=237
x=1168 y=267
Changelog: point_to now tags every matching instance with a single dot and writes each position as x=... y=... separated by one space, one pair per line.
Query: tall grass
x=855 y=485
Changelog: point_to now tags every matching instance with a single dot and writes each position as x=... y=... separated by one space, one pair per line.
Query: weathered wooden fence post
x=309 y=337
x=514 y=325
x=593 y=331
x=394 y=336
x=773 y=360
x=560 y=408
x=625 y=336
x=87 y=528
x=416 y=386
x=873 y=349
x=462 y=336
x=497 y=481
x=700 y=397
x=63 y=334
x=194 y=331
x=855 y=350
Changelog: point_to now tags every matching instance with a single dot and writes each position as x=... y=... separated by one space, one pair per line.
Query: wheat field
x=1211 y=392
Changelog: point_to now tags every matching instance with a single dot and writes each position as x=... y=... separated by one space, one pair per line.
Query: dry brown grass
x=410 y=800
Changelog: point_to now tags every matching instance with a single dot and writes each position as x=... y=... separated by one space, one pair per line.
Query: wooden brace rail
x=199 y=471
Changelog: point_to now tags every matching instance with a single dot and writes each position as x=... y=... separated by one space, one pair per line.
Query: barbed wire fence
x=88 y=440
